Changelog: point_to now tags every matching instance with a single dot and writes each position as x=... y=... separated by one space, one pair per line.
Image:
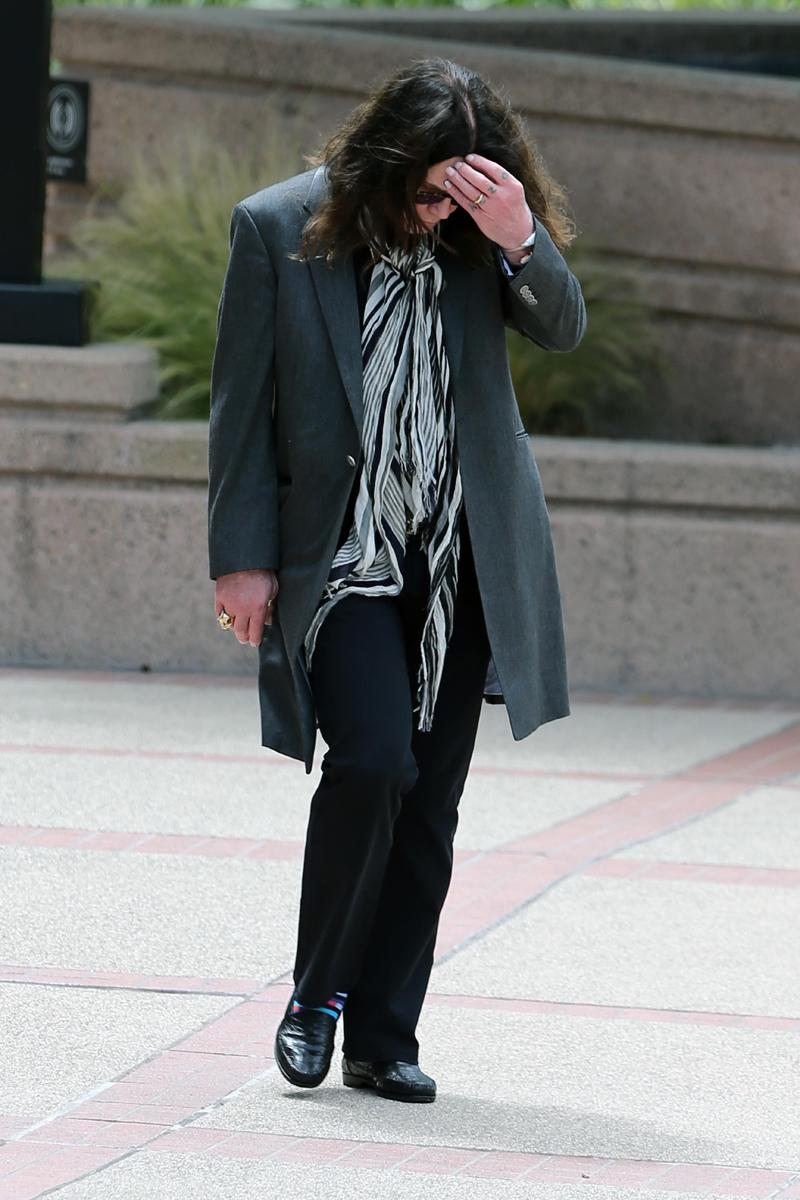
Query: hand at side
x=246 y=596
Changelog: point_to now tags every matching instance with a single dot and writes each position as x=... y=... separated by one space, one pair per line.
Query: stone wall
x=682 y=180
x=762 y=40
x=679 y=566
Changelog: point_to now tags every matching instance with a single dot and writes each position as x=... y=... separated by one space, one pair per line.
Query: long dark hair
x=428 y=111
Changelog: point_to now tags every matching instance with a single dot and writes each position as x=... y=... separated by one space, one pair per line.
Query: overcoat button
x=351 y=460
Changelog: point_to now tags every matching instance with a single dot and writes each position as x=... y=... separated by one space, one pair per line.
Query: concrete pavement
x=614 y=1011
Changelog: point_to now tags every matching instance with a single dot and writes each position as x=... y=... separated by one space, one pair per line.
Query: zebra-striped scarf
x=410 y=471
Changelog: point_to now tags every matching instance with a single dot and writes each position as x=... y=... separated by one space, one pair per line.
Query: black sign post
x=32 y=311
x=67 y=129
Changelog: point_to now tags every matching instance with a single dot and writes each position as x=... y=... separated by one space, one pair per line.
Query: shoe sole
x=358 y=1081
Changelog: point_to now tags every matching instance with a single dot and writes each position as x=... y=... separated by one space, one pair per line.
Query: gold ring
x=481 y=198
x=225 y=619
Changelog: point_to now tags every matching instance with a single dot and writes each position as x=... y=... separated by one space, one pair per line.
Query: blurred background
x=667 y=442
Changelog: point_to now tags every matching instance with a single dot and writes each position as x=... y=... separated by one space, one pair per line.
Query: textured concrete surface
x=219 y=799
x=628 y=943
x=75 y=381
x=673 y=561
x=168 y=1177
x=593 y=1036
x=647 y=738
x=55 y=1043
x=143 y=912
x=555 y=1085
x=214 y=715
x=752 y=829
x=130 y=713
x=261 y=800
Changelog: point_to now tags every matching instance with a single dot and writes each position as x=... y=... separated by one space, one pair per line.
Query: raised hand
x=504 y=216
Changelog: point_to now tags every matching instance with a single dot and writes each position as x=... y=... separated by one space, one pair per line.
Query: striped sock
x=333 y=1006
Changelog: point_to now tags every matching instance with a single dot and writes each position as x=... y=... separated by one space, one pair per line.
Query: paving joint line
x=569 y=871
x=157 y=754
x=574 y=870
x=581 y=865
x=790 y=1183
x=172 y=1047
x=566 y=1008
x=598 y=1165
x=121 y=987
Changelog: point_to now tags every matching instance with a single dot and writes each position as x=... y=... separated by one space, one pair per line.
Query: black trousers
x=379 y=845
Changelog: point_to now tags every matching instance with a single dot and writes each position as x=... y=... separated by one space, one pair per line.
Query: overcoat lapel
x=338 y=298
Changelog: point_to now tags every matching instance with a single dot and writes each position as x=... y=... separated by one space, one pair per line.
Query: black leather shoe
x=394 y=1080
x=304 y=1046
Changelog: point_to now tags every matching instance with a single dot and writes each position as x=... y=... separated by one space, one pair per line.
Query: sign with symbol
x=67 y=129
x=44 y=133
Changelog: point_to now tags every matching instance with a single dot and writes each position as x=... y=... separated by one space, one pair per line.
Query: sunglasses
x=429 y=198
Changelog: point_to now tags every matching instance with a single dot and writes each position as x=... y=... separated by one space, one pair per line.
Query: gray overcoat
x=285 y=446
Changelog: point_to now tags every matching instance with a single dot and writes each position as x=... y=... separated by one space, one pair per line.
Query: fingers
x=271 y=601
x=497 y=174
x=241 y=627
x=465 y=179
x=467 y=185
x=256 y=630
x=500 y=210
x=248 y=605
x=456 y=187
x=475 y=182
x=249 y=628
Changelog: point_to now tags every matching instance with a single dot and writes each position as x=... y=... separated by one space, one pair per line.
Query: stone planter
x=680 y=566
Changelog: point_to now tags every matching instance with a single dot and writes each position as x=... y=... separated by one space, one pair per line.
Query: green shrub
x=151 y=3
x=158 y=256
x=631 y=5
x=608 y=381
x=156 y=249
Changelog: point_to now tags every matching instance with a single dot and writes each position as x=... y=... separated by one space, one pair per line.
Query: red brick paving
x=632 y=868
x=139 y=1109
x=51 y=1167
x=603 y=1012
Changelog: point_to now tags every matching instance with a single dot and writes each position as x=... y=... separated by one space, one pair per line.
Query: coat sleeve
x=543 y=300
x=242 y=475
